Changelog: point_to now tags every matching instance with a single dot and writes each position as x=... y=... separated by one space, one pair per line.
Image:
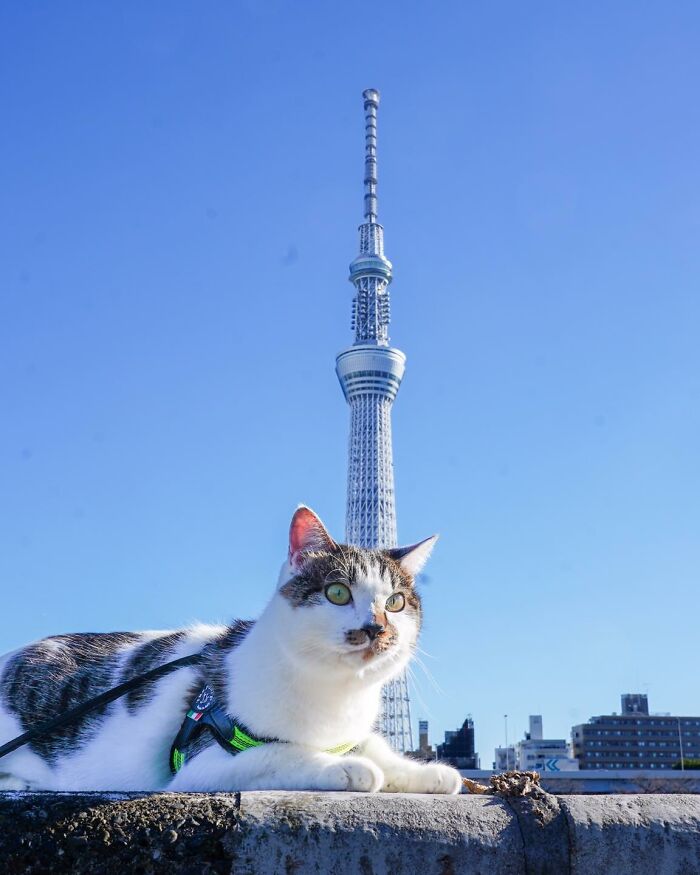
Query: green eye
x=395 y=602
x=338 y=594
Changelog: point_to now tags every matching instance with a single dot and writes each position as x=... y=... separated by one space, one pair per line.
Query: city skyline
x=179 y=191
x=631 y=739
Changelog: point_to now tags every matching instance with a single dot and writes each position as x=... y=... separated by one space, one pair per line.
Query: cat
x=304 y=679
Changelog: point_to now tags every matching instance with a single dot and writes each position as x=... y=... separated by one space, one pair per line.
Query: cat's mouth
x=372 y=649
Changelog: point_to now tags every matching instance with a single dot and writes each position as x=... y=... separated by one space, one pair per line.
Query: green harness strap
x=341 y=749
x=206 y=712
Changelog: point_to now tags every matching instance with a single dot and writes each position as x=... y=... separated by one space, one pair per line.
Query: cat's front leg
x=403 y=775
x=276 y=767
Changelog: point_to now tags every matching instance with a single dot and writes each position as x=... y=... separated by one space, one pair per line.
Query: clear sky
x=181 y=186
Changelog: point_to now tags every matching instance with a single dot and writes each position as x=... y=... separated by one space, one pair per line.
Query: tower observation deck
x=370 y=373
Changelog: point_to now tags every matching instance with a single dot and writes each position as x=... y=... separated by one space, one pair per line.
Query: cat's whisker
x=431 y=678
x=417 y=690
x=429 y=675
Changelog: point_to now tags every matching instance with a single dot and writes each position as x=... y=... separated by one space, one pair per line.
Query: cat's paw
x=432 y=778
x=355 y=773
x=436 y=778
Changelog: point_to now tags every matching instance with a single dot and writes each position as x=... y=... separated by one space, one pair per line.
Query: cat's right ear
x=413 y=558
x=306 y=533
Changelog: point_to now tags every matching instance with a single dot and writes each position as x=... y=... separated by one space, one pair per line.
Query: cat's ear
x=413 y=558
x=307 y=532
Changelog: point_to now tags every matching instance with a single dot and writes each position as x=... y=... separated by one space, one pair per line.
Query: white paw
x=355 y=773
x=436 y=778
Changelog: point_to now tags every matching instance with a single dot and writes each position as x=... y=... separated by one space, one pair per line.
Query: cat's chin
x=367 y=661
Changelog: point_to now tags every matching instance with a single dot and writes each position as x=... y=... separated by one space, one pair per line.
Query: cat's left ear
x=413 y=558
x=307 y=532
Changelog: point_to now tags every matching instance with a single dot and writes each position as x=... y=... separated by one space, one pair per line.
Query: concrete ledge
x=608 y=781
x=344 y=833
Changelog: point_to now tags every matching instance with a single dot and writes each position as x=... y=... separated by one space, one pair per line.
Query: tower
x=370 y=373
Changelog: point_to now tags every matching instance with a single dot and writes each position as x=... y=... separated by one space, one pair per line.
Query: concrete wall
x=609 y=780
x=341 y=833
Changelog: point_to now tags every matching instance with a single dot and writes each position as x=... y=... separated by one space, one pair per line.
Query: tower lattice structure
x=370 y=373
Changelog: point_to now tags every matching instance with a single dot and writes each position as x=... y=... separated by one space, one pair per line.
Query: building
x=424 y=750
x=536 y=753
x=458 y=747
x=536 y=732
x=370 y=373
x=635 y=739
x=634 y=703
x=504 y=758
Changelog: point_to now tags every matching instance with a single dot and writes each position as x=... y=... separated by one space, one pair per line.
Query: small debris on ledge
x=508 y=784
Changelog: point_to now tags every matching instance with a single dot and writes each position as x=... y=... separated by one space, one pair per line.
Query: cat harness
x=206 y=713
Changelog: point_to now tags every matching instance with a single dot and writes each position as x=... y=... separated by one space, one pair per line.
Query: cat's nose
x=372 y=630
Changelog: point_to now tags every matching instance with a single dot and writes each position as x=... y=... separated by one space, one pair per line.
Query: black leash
x=105 y=698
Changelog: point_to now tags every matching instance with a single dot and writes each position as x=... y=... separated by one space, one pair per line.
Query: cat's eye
x=338 y=594
x=396 y=602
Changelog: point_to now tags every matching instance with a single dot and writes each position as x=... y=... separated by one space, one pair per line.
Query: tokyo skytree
x=370 y=373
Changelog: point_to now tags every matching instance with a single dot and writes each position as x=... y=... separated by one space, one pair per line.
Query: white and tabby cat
x=307 y=674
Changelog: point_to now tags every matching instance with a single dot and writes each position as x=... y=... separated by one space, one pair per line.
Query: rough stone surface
x=544 y=831
x=329 y=833
x=659 y=834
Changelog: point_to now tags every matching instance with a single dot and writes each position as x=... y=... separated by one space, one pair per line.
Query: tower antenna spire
x=371 y=96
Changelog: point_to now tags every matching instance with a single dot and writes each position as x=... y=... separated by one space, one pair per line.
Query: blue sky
x=181 y=189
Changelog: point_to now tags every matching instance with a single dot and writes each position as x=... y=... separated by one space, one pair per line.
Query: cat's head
x=348 y=607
